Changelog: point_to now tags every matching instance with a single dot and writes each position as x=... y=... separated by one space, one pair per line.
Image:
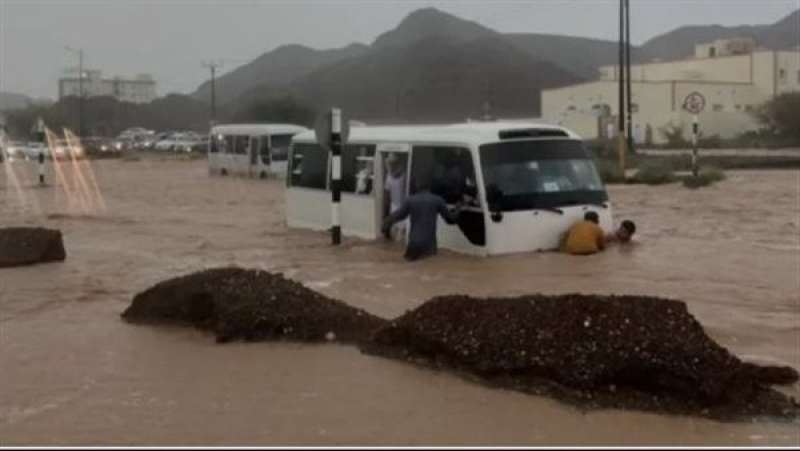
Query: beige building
x=732 y=75
x=141 y=89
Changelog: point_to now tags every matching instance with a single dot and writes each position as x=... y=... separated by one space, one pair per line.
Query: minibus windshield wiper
x=596 y=204
x=557 y=211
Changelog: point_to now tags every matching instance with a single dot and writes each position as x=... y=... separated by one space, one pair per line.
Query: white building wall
x=788 y=71
x=656 y=105
x=733 y=86
x=734 y=69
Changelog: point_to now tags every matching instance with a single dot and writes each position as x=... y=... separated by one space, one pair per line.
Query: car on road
x=33 y=149
x=15 y=149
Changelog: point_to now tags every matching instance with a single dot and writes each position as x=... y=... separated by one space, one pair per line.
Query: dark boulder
x=21 y=246
x=251 y=305
x=618 y=351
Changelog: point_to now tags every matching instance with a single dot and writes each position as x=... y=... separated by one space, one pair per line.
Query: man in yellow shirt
x=585 y=237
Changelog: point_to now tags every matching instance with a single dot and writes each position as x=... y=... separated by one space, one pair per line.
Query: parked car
x=98 y=145
x=33 y=149
x=15 y=149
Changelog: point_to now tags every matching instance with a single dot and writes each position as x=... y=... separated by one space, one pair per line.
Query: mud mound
x=21 y=246
x=592 y=351
x=251 y=305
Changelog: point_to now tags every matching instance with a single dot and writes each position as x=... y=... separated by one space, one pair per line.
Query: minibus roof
x=477 y=133
x=258 y=129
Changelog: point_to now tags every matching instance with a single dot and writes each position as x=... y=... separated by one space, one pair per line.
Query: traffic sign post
x=40 y=135
x=695 y=103
x=332 y=130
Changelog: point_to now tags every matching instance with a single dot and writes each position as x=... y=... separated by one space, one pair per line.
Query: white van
x=526 y=183
x=253 y=150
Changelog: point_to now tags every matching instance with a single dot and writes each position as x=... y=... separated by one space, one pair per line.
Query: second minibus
x=254 y=150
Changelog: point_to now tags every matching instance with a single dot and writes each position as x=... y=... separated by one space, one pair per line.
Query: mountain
x=282 y=65
x=680 y=43
x=431 y=23
x=435 y=66
x=431 y=67
x=581 y=56
x=12 y=101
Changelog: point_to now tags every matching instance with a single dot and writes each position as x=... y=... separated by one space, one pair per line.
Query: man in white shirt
x=394 y=190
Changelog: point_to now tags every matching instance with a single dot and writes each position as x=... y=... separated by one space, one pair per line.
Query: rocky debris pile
x=592 y=351
x=251 y=305
x=21 y=246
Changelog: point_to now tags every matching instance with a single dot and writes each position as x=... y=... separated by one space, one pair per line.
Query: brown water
x=73 y=373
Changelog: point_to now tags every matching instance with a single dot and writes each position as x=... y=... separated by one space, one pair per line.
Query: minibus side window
x=280 y=147
x=358 y=168
x=229 y=143
x=448 y=171
x=308 y=166
x=263 y=149
x=242 y=143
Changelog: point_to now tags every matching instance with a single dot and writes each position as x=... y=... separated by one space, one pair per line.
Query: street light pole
x=213 y=67
x=628 y=73
x=81 y=93
x=621 y=77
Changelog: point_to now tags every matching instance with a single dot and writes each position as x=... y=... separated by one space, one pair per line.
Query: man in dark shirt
x=423 y=208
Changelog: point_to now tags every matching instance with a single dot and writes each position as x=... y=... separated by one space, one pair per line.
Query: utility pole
x=621 y=72
x=213 y=66
x=628 y=73
x=81 y=93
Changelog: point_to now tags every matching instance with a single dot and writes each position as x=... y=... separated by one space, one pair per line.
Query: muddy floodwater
x=73 y=373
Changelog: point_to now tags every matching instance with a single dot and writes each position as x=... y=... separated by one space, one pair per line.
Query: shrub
x=654 y=172
x=609 y=171
x=780 y=115
x=674 y=136
x=705 y=177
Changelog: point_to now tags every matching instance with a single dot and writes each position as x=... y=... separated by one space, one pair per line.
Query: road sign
x=323 y=125
x=694 y=103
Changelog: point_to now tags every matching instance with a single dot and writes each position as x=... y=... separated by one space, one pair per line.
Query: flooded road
x=73 y=373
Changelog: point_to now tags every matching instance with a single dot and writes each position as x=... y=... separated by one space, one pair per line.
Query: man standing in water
x=423 y=207
x=394 y=192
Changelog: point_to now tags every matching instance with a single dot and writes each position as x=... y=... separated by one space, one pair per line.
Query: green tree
x=782 y=115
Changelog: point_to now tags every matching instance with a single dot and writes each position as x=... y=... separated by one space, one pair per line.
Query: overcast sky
x=170 y=38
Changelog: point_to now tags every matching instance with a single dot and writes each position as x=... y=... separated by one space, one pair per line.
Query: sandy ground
x=73 y=373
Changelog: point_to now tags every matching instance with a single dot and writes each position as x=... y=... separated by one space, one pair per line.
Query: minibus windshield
x=530 y=174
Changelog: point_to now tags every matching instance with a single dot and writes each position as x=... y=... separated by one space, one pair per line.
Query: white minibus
x=524 y=184
x=254 y=150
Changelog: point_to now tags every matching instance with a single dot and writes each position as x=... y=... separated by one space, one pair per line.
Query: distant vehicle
x=98 y=145
x=173 y=142
x=34 y=149
x=254 y=150
x=149 y=142
x=524 y=184
x=15 y=149
x=62 y=150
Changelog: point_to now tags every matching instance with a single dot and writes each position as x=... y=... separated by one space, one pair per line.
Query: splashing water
x=84 y=173
x=24 y=201
x=62 y=184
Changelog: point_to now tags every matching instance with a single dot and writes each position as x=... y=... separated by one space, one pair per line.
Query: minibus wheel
x=223 y=171
x=262 y=175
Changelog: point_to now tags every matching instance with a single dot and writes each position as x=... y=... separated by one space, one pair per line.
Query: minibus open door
x=385 y=155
